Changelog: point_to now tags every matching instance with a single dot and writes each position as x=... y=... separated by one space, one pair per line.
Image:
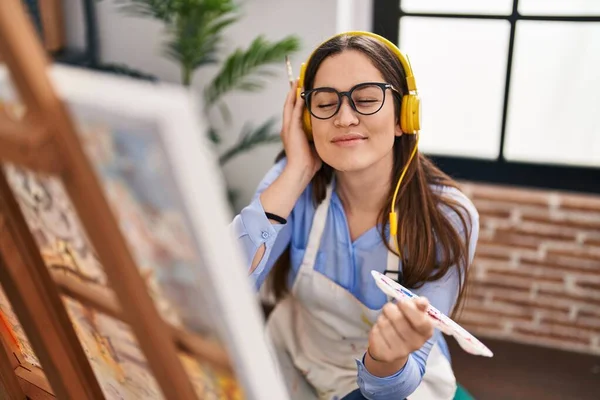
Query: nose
x=346 y=116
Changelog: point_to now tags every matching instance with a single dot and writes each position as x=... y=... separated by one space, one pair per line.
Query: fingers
x=382 y=343
x=414 y=311
x=288 y=107
x=298 y=108
x=387 y=342
x=395 y=316
x=400 y=329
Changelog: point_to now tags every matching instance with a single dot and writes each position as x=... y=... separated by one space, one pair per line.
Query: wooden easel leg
x=9 y=384
x=36 y=302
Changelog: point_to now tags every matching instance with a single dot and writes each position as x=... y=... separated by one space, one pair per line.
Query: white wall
x=137 y=42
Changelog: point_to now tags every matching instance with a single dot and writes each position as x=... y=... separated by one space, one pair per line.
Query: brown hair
x=432 y=245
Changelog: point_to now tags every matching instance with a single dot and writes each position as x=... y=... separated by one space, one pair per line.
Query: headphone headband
x=410 y=79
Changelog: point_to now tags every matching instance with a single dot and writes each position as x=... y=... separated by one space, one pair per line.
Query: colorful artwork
x=10 y=324
x=125 y=140
x=135 y=173
x=114 y=355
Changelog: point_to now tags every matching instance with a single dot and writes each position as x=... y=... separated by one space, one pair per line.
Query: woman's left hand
x=400 y=329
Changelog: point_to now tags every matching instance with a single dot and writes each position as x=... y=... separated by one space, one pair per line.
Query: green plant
x=195 y=30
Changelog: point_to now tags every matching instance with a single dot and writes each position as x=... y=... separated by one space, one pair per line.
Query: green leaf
x=250 y=138
x=163 y=10
x=194 y=28
x=242 y=69
x=213 y=135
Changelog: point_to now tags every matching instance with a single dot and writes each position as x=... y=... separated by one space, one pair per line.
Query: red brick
x=528 y=275
x=553 y=262
x=529 y=304
x=489 y=224
x=510 y=194
x=553 y=324
x=497 y=312
x=505 y=278
x=514 y=309
x=592 y=241
x=514 y=240
x=502 y=287
x=474 y=324
x=580 y=202
x=586 y=253
x=549 y=315
x=595 y=286
x=475 y=292
x=557 y=288
x=492 y=251
x=589 y=313
x=482 y=319
x=482 y=332
x=473 y=297
x=492 y=258
x=515 y=209
x=560 y=337
x=568 y=220
x=546 y=231
x=558 y=295
x=588 y=322
x=493 y=209
x=571 y=330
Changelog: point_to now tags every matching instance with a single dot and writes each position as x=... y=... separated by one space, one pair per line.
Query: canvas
x=147 y=146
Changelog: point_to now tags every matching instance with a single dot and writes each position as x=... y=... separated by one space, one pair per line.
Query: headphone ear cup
x=416 y=112
x=410 y=114
x=404 y=114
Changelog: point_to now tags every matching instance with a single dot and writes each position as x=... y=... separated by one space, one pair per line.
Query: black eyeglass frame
x=383 y=86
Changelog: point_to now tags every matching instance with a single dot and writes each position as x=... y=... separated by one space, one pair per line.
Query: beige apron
x=321 y=329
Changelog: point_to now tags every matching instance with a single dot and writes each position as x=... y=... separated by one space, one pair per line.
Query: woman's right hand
x=301 y=154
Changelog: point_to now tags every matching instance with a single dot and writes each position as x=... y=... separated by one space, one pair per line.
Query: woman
x=318 y=225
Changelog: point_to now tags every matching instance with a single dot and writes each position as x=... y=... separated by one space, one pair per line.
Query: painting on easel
x=147 y=149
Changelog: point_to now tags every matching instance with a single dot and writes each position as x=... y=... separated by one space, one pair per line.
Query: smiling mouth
x=348 y=139
x=349 y=142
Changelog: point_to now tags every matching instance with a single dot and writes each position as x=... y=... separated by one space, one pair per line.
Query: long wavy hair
x=432 y=245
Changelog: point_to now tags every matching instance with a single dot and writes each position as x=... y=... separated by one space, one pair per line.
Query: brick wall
x=536 y=275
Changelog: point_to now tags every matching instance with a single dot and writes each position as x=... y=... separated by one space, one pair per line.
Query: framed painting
x=148 y=150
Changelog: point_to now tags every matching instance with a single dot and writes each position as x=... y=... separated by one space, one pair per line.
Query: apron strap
x=316 y=231
x=392 y=269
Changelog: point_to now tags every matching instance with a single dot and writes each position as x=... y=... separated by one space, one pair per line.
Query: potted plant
x=195 y=31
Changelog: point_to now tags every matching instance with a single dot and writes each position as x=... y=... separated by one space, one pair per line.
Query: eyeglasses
x=365 y=98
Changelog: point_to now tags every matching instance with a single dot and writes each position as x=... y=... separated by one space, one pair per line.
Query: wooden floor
x=526 y=372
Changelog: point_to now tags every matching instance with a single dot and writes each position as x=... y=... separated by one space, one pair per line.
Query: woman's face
x=350 y=141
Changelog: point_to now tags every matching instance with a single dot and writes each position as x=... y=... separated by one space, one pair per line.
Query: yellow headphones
x=410 y=114
x=410 y=111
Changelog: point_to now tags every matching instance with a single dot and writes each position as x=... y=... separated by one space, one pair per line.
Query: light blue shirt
x=349 y=264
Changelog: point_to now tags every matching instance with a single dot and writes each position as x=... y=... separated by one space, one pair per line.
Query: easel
x=45 y=140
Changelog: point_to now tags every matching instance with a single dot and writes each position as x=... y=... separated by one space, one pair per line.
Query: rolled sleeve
x=256 y=224
x=251 y=228
x=397 y=386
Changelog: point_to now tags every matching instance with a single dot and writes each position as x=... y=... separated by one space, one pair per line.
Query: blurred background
x=510 y=95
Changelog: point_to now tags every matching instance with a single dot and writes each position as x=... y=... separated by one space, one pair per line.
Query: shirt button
x=265 y=235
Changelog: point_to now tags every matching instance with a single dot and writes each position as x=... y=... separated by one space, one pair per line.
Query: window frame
x=387 y=15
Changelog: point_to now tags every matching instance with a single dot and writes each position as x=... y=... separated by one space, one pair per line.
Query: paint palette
x=468 y=342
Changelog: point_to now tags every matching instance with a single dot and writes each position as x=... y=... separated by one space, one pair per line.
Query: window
x=510 y=88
